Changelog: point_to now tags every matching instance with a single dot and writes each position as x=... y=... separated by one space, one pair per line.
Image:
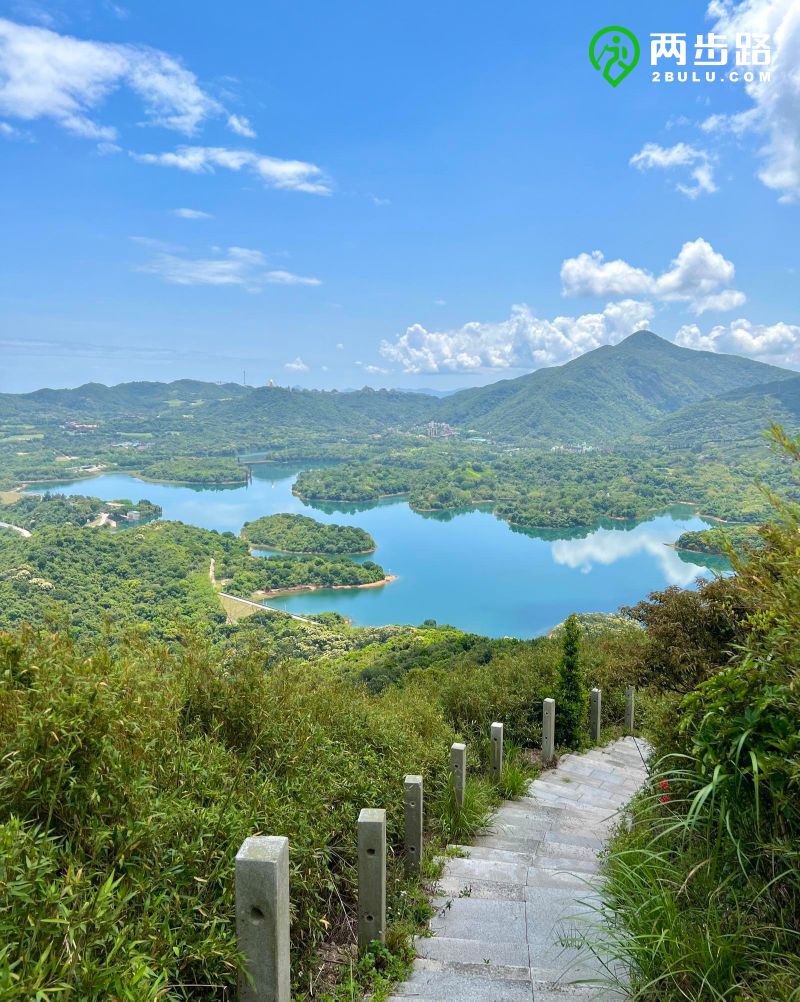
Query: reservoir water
x=465 y=568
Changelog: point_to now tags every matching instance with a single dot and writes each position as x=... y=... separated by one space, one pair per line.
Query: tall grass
x=130 y=776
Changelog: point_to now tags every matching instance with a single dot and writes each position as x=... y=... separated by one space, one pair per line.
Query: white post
x=595 y=714
x=629 y=698
x=414 y=823
x=458 y=766
x=371 y=877
x=262 y=918
x=497 y=751
x=548 y=730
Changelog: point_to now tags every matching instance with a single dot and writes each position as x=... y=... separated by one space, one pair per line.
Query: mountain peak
x=642 y=338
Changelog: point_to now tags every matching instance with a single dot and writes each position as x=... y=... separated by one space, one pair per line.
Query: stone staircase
x=503 y=909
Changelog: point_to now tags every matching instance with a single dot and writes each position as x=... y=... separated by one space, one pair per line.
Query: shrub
x=571 y=700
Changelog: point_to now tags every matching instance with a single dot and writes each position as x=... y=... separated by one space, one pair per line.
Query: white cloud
x=340 y=346
x=298 y=365
x=775 y=113
x=293 y=175
x=8 y=130
x=241 y=126
x=376 y=370
x=191 y=214
x=652 y=156
x=521 y=341
x=44 y=74
x=699 y=276
x=440 y=302
x=234 y=266
x=777 y=343
x=289 y=278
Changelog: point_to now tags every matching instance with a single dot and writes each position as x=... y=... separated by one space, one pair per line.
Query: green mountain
x=605 y=395
x=740 y=416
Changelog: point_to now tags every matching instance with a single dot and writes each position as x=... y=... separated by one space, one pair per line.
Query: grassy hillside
x=606 y=394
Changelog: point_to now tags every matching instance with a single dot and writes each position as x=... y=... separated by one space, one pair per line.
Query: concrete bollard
x=595 y=714
x=629 y=698
x=458 y=766
x=548 y=730
x=371 y=877
x=497 y=751
x=414 y=824
x=262 y=918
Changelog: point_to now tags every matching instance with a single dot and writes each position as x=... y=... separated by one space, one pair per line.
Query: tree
x=571 y=701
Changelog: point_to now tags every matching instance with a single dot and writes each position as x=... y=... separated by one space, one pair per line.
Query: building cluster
x=582 y=448
x=439 y=429
x=78 y=426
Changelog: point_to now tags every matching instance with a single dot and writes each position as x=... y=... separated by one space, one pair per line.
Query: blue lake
x=467 y=568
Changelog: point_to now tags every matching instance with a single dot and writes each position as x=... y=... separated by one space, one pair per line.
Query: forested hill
x=739 y=416
x=644 y=388
x=606 y=394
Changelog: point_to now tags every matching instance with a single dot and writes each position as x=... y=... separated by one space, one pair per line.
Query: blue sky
x=400 y=195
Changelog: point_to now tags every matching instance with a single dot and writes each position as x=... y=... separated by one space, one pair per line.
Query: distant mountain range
x=644 y=388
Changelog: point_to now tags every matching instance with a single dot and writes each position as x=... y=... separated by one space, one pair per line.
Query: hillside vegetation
x=704 y=884
x=132 y=774
x=301 y=534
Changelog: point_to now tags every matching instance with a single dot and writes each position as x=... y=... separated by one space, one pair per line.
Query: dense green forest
x=554 y=490
x=156 y=577
x=720 y=539
x=301 y=534
x=36 y=511
x=293 y=572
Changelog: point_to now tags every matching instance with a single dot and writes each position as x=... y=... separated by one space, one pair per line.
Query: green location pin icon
x=614 y=52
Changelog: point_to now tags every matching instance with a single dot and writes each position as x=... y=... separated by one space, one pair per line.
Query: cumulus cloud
x=521 y=341
x=699 y=276
x=293 y=175
x=191 y=214
x=44 y=74
x=654 y=157
x=777 y=343
x=775 y=112
x=298 y=365
x=233 y=266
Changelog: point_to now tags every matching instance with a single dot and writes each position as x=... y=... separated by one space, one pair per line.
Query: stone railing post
x=458 y=766
x=262 y=918
x=629 y=700
x=414 y=824
x=497 y=751
x=548 y=730
x=595 y=714
x=371 y=877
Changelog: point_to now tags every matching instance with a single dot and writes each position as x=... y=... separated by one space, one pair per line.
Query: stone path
x=503 y=909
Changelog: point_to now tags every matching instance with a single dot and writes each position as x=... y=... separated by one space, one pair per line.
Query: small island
x=715 y=541
x=302 y=573
x=301 y=534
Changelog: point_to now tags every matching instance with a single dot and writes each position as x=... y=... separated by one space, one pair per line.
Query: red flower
x=664 y=784
x=664 y=799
